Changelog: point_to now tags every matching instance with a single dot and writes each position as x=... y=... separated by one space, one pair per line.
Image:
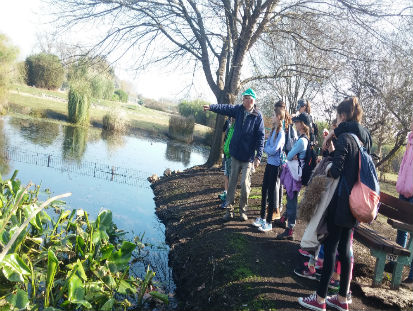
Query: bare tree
x=216 y=35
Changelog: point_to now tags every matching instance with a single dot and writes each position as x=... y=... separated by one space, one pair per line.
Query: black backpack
x=310 y=163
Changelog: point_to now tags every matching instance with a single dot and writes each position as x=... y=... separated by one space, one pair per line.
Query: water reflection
x=113 y=140
x=74 y=143
x=178 y=152
x=4 y=162
x=38 y=132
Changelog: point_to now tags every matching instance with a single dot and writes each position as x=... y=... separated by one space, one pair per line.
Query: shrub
x=79 y=104
x=8 y=55
x=195 y=109
x=181 y=128
x=121 y=95
x=114 y=121
x=44 y=71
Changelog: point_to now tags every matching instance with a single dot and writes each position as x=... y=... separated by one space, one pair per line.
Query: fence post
x=113 y=173
x=48 y=160
x=94 y=171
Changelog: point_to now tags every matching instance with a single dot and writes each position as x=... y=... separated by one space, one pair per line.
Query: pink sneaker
x=333 y=302
x=304 y=253
x=311 y=303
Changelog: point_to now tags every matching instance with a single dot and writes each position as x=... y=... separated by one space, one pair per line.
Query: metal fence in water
x=93 y=169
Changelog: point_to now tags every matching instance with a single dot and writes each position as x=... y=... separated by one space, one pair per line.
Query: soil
x=233 y=266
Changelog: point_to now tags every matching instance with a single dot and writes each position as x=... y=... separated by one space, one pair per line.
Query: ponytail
x=351 y=109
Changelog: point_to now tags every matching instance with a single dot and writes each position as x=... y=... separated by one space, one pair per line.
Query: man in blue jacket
x=246 y=148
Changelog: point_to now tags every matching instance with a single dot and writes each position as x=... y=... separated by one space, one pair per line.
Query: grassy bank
x=53 y=105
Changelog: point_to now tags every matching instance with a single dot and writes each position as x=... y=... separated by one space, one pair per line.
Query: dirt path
x=232 y=265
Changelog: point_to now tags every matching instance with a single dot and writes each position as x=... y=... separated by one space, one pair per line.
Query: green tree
x=121 y=95
x=8 y=54
x=44 y=71
x=79 y=103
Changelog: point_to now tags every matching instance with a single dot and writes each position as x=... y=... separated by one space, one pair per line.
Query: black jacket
x=346 y=166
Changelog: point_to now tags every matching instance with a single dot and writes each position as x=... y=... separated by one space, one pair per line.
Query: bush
x=8 y=55
x=79 y=104
x=195 y=109
x=44 y=71
x=121 y=95
x=113 y=121
x=181 y=128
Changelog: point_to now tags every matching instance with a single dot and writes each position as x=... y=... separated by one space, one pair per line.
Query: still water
x=86 y=162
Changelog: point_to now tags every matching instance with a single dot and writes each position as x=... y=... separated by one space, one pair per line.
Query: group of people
x=287 y=150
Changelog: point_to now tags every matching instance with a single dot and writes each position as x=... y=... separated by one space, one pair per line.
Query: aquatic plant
x=67 y=262
x=114 y=121
x=181 y=128
x=79 y=103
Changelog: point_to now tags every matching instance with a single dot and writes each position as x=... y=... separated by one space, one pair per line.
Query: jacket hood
x=361 y=132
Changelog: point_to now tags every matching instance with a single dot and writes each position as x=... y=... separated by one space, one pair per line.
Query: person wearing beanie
x=245 y=148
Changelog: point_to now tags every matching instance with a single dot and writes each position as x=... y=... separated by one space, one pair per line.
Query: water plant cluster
x=66 y=262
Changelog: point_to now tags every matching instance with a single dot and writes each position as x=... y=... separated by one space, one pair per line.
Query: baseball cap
x=303 y=117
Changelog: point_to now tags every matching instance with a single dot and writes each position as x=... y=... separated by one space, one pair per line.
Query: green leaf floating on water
x=14 y=268
x=120 y=259
x=108 y=305
x=20 y=300
x=103 y=226
x=76 y=292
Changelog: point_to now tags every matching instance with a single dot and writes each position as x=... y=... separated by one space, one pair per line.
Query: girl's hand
x=327 y=140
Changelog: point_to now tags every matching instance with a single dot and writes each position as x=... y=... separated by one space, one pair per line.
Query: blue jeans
x=292 y=209
x=401 y=238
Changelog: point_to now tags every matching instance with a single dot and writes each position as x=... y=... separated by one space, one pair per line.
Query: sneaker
x=319 y=264
x=265 y=227
x=306 y=272
x=243 y=217
x=311 y=303
x=258 y=222
x=334 y=284
x=282 y=222
x=304 y=253
x=407 y=283
x=228 y=216
x=288 y=234
x=317 y=271
x=222 y=196
x=332 y=301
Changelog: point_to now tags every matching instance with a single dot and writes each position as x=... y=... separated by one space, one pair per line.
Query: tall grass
x=114 y=121
x=79 y=104
x=181 y=128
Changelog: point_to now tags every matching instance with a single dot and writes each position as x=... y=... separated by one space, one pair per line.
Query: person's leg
x=271 y=192
x=246 y=171
x=292 y=210
x=233 y=180
x=344 y=255
x=330 y=248
x=264 y=190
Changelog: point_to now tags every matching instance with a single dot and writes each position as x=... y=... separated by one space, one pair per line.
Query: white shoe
x=258 y=222
x=265 y=227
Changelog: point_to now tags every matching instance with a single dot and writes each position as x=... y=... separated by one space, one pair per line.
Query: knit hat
x=250 y=92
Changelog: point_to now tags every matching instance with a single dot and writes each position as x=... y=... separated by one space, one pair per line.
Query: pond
x=101 y=170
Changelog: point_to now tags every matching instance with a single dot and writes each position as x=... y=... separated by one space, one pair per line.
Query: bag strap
x=359 y=146
x=358 y=142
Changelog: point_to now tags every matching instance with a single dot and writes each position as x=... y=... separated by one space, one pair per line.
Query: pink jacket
x=404 y=184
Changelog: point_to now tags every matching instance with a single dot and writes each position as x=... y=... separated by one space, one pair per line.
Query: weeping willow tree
x=8 y=55
x=79 y=103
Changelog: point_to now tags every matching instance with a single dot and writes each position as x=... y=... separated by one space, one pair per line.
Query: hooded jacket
x=346 y=167
x=247 y=140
